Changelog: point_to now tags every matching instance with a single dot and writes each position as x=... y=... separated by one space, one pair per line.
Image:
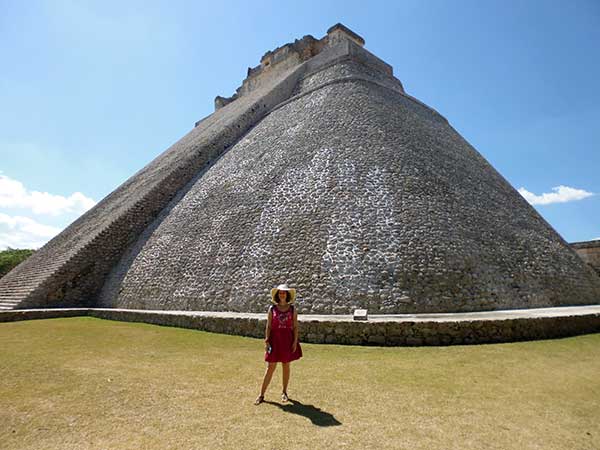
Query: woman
x=281 y=338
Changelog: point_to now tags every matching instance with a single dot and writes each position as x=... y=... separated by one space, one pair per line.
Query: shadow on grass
x=316 y=415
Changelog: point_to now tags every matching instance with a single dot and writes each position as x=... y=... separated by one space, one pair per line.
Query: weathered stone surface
x=589 y=251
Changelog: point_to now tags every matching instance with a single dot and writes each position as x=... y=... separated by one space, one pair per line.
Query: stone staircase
x=23 y=280
x=11 y=296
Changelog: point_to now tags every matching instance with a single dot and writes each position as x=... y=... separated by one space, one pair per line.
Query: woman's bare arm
x=268 y=327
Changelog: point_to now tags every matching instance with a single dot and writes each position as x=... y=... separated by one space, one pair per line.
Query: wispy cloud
x=23 y=232
x=559 y=194
x=13 y=194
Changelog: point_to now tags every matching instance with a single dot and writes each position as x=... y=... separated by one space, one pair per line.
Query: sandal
x=259 y=399
x=284 y=397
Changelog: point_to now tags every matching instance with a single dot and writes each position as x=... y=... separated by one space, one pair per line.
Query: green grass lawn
x=92 y=383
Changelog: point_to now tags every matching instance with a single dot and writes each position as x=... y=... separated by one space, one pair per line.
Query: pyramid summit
x=322 y=172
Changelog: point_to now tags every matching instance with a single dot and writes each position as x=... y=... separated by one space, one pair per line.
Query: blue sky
x=90 y=92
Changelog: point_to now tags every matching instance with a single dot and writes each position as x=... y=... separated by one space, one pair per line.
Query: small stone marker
x=360 y=314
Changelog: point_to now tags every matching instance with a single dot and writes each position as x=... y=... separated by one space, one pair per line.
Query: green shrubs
x=10 y=257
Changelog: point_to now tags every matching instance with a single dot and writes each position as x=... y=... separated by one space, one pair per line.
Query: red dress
x=282 y=337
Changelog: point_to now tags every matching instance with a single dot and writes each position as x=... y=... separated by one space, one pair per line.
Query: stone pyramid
x=320 y=171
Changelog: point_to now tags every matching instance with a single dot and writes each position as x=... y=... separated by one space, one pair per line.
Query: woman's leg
x=267 y=378
x=286 y=376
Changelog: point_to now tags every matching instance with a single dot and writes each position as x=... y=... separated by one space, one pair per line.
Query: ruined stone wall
x=308 y=49
x=589 y=251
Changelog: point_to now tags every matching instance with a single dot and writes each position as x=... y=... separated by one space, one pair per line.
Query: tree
x=11 y=257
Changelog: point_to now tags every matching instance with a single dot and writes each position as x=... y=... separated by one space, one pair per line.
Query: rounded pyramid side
x=359 y=196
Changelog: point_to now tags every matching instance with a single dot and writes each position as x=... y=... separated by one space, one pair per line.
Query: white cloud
x=13 y=194
x=560 y=194
x=23 y=232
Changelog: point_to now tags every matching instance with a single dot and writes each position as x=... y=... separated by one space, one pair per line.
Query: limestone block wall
x=589 y=251
x=380 y=333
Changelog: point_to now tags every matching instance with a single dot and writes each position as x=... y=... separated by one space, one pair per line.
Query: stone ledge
x=16 y=315
x=586 y=244
x=392 y=330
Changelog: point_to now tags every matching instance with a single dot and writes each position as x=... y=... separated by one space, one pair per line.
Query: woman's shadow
x=316 y=415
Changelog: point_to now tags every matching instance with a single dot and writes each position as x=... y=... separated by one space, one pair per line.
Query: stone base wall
x=382 y=333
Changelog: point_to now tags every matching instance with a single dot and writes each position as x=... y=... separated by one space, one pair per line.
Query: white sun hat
x=283 y=287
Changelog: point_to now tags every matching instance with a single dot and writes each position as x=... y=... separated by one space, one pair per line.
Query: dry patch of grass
x=90 y=383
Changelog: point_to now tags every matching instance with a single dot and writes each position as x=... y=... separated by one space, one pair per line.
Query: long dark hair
x=287 y=296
